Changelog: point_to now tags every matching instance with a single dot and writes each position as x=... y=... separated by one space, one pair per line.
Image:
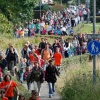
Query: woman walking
x=8 y=85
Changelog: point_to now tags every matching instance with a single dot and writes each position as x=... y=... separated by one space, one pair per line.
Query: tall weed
x=76 y=81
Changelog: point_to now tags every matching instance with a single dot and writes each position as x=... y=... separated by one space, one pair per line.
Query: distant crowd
x=53 y=23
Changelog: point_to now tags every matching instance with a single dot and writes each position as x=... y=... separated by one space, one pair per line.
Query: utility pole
x=78 y=2
x=88 y=7
x=40 y=7
x=94 y=31
x=61 y=2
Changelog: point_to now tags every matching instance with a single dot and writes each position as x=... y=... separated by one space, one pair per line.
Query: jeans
x=63 y=54
x=21 y=77
x=51 y=88
x=28 y=85
x=11 y=67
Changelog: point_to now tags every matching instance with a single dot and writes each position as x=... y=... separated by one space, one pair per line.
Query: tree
x=17 y=10
x=97 y=6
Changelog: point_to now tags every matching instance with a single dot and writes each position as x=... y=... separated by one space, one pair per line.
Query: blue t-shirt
x=71 y=31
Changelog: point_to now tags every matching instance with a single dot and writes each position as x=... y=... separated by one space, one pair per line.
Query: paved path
x=44 y=92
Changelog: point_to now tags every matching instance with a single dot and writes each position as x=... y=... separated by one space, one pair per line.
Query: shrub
x=6 y=27
x=57 y=7
x=97 y=18
x=76 y=83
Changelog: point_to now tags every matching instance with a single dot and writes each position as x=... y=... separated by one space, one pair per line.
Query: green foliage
x=63 y=1
x=97 y=6
x=97 y=19
x=57 y=7
x=80 y=87
x=17 y=10
x=5 y=25
x=77 y=79
x=43 y=7
x=75 y=60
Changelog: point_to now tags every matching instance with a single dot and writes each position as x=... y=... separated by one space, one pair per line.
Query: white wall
x=47 y=1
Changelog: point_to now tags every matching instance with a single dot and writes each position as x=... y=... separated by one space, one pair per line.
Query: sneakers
x=50 y=96
x=39 y=94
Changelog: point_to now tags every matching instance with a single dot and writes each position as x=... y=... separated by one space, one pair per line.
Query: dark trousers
x=10 y=98
x=11 y=67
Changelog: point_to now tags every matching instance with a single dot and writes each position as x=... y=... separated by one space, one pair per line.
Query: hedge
x=97 y=18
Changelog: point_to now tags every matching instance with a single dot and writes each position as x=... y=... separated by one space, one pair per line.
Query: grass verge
x=22 y=89
x=76 y=83
x=88 y=28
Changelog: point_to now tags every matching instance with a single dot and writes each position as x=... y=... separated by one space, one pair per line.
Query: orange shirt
x=10 y=92
x=46 y=55
x=58 y=58
x=4 y=98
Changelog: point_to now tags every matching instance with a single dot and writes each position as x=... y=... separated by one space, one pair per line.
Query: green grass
x=22 y=89
x=78 y=27
x=88 y=28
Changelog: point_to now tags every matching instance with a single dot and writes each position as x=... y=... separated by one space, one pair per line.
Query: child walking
x=22 y=66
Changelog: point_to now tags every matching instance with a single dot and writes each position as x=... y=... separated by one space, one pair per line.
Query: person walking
x=58 y=59
x=21 y=97
x=9 y=85
x=37 y=77
x=3 y=62
x=25 y=52
x=46 y=53
x=27 y=77
x=50 y=77
x=12 y=58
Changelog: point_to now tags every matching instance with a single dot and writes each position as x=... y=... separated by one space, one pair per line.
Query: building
x=47 y=1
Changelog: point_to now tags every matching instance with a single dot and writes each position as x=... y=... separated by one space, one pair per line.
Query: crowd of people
x=39 y=63
x=53 y=23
